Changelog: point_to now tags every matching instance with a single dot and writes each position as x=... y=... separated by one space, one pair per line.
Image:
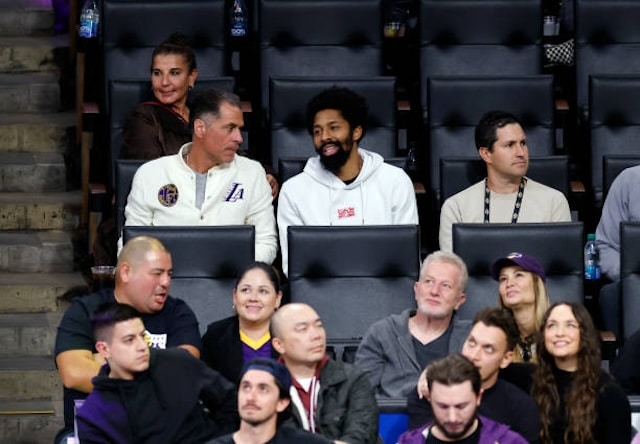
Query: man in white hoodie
x=344 y=184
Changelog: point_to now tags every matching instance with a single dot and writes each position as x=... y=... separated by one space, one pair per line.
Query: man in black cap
x=263 y=395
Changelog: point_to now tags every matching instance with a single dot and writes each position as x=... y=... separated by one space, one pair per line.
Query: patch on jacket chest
x=234 y=193
x=168 y=195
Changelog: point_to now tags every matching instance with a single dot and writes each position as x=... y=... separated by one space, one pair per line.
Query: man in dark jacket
x=490 y=347
x=142 y=280
x=144 y=395
x=329 y=397
x=263 y=396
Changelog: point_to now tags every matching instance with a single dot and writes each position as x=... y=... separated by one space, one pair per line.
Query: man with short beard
x=490 y=346
x=344 y=184
x=454 y=393
x=263 y=397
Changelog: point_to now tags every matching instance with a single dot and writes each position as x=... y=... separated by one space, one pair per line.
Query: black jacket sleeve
x=219 y=396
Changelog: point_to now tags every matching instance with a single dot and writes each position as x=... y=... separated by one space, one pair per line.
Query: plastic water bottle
x=591 y=259
x=238 y=19
x=89 y=19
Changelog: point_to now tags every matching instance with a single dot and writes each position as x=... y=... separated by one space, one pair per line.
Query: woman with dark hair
x=578 y=401
x=161 y=126
x=229 y=343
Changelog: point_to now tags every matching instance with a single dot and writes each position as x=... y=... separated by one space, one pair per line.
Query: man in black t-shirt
x=143 y=277
x=263 y=395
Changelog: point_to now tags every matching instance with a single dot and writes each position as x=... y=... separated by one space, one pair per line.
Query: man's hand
x=423 y=387
x=273 y=183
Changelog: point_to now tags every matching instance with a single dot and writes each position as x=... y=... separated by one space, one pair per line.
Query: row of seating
x=456 y=105
x=344 y=37
x=288 y=43
x=329 y=268
x=354 y=276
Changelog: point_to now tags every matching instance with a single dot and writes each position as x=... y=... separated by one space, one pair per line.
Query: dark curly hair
x=351 y=105
x=580 y=401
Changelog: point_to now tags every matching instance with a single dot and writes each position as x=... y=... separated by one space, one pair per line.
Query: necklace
x=526 y=345
x=516 y=208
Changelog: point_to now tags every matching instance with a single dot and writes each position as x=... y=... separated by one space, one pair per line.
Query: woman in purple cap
x=521 y=285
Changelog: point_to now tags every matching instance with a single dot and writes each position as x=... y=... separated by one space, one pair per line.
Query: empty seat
x=327 y=38
x=607 y=41
x=479 y=37
x=353 y=276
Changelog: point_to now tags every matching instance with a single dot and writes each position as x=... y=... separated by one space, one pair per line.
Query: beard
x=256 y=421
x=457 y=435
x=335 y=161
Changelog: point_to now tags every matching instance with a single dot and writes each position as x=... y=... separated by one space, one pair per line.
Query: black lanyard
x=516 y=208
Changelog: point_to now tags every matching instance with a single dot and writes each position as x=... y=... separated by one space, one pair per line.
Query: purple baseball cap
x=528 y=263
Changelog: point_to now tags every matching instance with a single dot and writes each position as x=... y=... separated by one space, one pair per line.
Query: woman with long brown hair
x=578 y=401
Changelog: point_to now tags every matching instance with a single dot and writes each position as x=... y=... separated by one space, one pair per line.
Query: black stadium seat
x=557 y=246
x=355 y=275
x=322 y=38
x=206 y=264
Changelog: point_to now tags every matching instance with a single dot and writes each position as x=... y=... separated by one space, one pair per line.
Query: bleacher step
x=31 y=54
x=29 y=377
x=36 y=292
x=28 y=334
x=28 y=93
x=28 y=422
x=40 y=211
x=29 y=407
x=32 y=20
x=36 y=133
x=32 y=172
x=32 y=252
